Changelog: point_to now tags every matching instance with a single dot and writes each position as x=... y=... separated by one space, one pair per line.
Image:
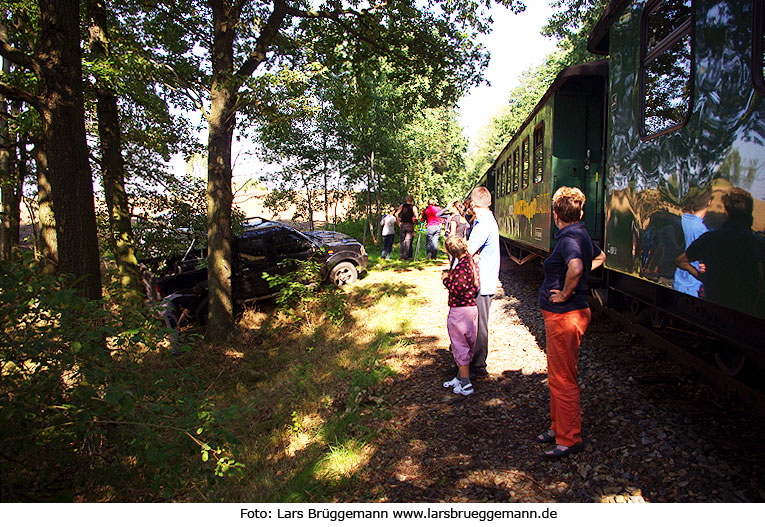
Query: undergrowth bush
x=93 y=406
x=301 y=293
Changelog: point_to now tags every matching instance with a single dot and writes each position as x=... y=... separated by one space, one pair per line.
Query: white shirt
x=484 y=240
x=388 y=224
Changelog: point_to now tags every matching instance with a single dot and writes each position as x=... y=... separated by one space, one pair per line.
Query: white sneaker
x=463 y=390
x=451 y=384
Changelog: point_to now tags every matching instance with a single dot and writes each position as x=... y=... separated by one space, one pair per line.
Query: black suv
x=260 y=249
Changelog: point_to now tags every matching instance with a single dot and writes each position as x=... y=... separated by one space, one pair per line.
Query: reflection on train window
x=515 y=170
x=539 y=135
x=666 y=66
x=525 y=163
x=758 y=45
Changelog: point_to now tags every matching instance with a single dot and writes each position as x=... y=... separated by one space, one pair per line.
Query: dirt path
x=656 y=440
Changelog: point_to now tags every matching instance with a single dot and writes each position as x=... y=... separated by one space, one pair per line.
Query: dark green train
x=667 y=140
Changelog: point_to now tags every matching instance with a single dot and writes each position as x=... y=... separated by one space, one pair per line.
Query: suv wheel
x=343 y=273
x=200 y=312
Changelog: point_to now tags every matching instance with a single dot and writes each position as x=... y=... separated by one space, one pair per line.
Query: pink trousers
x=462 y=324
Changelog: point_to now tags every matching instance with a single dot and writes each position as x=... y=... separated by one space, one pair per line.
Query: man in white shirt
x=483 y=244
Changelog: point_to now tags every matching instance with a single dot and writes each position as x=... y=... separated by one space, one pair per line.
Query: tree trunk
x=6 y=182
x=19 y=164
x=112 y=164
x=222 y=120
x=369 y=196
x=47 y=244
x=60 y=85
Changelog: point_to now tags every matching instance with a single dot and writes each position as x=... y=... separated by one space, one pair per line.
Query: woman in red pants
x=563 y=300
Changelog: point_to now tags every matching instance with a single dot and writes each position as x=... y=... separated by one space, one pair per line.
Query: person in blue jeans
x=433 y=229
x=483 y=244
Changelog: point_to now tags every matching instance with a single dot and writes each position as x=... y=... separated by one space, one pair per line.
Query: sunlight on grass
x=344 y=460
x=314 y=387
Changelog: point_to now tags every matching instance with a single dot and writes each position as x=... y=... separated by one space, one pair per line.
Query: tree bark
x=47 y=244
x=6 y=182
x=63 y=116
x=221 y=123
x=222 y=120
x=112 y=164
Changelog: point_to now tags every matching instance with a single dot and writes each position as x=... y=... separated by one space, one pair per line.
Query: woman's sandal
x=559 y=452
x=546 y=437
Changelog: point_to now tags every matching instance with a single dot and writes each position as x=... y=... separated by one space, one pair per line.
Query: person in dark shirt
x=731 y=258
x=405 y=216
x=563 y=300
x=462 y=281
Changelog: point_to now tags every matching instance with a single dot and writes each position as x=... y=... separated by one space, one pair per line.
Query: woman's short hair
x=568 y=203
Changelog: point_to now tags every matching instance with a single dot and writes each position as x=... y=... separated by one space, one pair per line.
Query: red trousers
x=564 y=334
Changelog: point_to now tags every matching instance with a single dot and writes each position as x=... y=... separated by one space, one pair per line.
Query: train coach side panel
x=655 y=174
x=524 y=215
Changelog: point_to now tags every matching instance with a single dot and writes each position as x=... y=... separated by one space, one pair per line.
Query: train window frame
x=502 y=177
x=539 y=147
x=758 y=46
x=647 y=57
x=525 y=162
x=516 y=157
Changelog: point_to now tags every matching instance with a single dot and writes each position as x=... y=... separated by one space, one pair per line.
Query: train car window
x=758 y=46
x=508 y=183
x=501 y=179
x=539 y=154
x=515 y=170
x=505 y=175
x=525 y=163
x=666 y=66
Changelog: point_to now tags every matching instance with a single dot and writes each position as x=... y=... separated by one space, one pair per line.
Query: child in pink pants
x=462 y=323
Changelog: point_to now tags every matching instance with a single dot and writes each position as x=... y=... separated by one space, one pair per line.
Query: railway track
x=747 y=390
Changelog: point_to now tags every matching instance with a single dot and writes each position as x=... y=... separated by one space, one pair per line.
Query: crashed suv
x=260 y=249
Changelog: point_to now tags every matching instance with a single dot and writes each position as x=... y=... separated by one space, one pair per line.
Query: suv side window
x=288 y=244
x=253 y=249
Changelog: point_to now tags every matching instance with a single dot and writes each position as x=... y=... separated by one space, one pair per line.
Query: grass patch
x=313 y=388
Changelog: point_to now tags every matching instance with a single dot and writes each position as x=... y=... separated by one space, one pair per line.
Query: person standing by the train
x=469 y=216
x=456 y=224
x=693 y=226
x=563 y=300
x=405 y=216
x=388 y=224
x=733 y=257
x=432 y=230
x=483 y=244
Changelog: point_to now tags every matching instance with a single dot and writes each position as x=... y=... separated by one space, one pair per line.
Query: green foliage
x=300 y=289
x=89 y=398
x=572 y=25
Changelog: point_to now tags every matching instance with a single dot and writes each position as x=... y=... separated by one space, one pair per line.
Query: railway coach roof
x=598 y=68
x=598 y=41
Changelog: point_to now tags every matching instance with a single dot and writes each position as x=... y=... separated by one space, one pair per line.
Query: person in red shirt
x=462 y=323
x=433 y=229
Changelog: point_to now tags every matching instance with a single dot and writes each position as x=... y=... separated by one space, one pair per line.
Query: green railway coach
x=559 y=144
x=685 y=132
